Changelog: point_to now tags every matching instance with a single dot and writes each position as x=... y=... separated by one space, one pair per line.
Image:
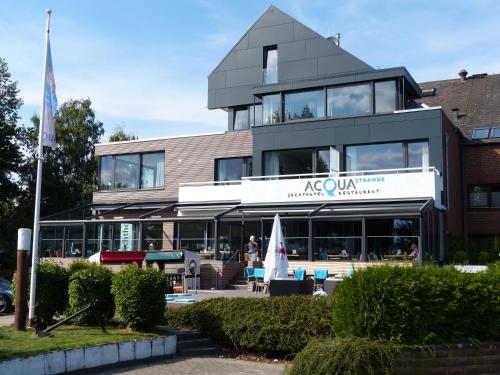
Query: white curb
x=62 y=361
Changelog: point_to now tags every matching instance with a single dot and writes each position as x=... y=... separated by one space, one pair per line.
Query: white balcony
x=387 y=184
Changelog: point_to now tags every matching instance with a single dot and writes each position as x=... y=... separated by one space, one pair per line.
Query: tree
x=69 y=171
x=119 y=135
x=10 y=157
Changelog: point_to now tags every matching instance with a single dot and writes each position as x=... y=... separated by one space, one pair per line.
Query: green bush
x=419 y=305
x=278 y=325
x=96 y=285
x=496 y=248
x=483 y=258
x=344 y=356
x=77 y=265
x=459 y=257
x=51 y=291
x=140 y=295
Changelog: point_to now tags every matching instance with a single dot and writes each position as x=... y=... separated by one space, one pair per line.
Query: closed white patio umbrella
x=276 y=262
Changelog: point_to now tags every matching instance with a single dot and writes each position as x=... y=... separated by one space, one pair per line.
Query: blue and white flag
x=50 y=103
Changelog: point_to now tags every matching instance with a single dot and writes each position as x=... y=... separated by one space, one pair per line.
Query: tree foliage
x=119 y=135
x=10 y=156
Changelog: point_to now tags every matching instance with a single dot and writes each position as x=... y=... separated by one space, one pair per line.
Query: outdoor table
x=288 y=287
x=331 y=285
x=397 y=257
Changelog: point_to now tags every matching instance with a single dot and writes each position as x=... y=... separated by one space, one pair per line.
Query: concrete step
x=238 y=286
x=196 y=352
x=194 y=343
x=189 y=335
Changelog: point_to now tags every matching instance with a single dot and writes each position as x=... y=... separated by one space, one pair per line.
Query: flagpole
x=36 y=221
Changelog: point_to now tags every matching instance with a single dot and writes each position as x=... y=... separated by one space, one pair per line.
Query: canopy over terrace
x=367 y=231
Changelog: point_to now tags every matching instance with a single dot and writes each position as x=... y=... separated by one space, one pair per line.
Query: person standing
x=253 y=248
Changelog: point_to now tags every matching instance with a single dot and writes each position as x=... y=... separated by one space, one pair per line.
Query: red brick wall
x=482 y=166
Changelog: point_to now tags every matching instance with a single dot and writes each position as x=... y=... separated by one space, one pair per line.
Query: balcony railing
x=384 y=184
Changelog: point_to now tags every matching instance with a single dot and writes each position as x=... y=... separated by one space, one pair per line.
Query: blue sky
x=144 y=63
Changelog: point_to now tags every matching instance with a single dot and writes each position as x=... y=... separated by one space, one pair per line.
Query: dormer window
x=270 y=64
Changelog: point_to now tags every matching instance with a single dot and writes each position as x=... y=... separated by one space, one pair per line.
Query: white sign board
x=338 y=189
x=126 y=237
x=192 y=261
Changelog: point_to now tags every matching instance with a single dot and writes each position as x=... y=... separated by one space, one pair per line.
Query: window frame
x=244 y=166
x=404 y=148
x=489 y=197
x=396 y=95
x=292 y=92
x=493 y=132
x=138 y=173
x=371 y=111
x=266 y=49
x=314 y=156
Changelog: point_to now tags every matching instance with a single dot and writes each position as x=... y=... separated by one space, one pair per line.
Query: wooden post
x=23 y=246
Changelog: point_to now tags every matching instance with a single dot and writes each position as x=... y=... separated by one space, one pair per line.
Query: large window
x=349 y=100
x=387 y=156
x=298 y=161
x=152 y=170
x=126 y=168
x=304 y=105
x=484 y=196
x=131 y=171
x=232 y=169
x=271 y=109
x=391 y=239
x=270 y=64
x=241 y=119
x=385 y=96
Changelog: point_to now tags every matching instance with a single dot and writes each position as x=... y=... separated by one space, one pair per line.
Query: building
x=360 y=163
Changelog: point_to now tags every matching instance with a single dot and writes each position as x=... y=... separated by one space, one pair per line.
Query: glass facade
x=232 y=169
x=241 y=119
x=337 y=240
x=418 y=154
x=385 y=96
x=152 y=236
x=152 y=170
x=304 y=105
x=349 y=100
x=391 y=239
x=270 y=65
x=271 y=109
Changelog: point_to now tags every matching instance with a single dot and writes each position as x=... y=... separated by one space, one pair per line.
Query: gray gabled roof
x=302 y=54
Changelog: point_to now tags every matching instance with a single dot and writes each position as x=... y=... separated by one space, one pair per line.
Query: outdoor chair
x=320 y=275
x=258 y=280
x=299 y=274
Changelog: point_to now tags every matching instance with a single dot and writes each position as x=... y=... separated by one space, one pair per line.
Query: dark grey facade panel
x=211 y=99
x=217 y=80
x=352 y=134
x=297 y=69
x=232 y=96
x=272 y=16
x=252 y=57
x=319 y=47
x=270 y=35
x=228 y=63
x=242 y=44
x=337 y=64
x=302 y=32
x=243 y=77
x=292 y=51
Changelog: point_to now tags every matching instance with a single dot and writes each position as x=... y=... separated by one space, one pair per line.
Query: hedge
x=140 y=296
x=419 y=305
x=344 y=356
x=97 y=283
x=271 y=326
x=51 y=291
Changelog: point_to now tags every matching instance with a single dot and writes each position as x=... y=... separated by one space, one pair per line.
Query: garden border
x=88 y=357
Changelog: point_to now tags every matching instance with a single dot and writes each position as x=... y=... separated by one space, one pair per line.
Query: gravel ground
x=200 y=366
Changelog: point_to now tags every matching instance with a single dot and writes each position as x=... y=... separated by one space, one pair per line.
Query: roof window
x=480 y=133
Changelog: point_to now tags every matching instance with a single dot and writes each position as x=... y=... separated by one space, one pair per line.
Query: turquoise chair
x=299 y=274
x=320 y=275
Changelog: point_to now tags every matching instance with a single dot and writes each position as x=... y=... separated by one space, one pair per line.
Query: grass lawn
x=20 y=344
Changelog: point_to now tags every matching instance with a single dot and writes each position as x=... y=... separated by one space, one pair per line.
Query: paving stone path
x=200 y=366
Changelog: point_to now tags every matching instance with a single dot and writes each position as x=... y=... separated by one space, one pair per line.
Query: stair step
x=195 y=343
x=209 y=350
x=189 y=335
x=238 y=286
